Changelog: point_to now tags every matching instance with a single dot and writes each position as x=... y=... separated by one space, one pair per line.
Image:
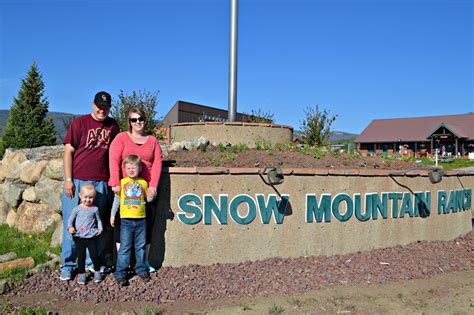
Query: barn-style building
x=452 y=135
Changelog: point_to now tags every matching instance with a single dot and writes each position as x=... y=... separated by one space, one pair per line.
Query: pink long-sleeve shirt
x=149 y=152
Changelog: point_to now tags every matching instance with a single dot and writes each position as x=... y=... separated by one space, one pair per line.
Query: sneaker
x=65 y=275
x=105 y=269
x=97 y=277
x=81 y=278
x=121 y=282
x=150 y=268
x=90 y=268
x=145 y=277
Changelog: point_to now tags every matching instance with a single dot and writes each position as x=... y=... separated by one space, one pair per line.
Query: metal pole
x=233 y=60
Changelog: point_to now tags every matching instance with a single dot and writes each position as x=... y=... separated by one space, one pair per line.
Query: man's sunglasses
x=134 y=120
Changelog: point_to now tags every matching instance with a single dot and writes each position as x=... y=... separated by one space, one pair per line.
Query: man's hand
x=71 y=230
x=98 y=232
x=67 y=161
x=112 y=221
x=69 y=189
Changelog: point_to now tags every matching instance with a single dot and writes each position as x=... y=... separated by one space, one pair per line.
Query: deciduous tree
x=146 y=101
x=316 y=127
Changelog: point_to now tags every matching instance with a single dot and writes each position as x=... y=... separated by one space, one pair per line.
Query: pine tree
x=27 y=125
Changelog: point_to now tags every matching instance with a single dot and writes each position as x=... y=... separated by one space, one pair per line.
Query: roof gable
x=416 y=129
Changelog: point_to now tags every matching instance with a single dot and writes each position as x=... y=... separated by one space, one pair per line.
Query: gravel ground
x=420 y=260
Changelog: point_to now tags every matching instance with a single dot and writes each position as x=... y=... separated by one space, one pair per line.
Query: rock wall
x=30 y=189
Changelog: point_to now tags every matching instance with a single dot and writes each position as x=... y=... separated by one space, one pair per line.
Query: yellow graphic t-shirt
x=133 y=198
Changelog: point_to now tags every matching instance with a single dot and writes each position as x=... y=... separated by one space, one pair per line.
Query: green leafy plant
x=221 y=147
x=259 y=116
x=230 y=156
x=216 y=160
x=239 y=147
x=316 y=127
x=262 y=144
x=318 y=154
x=203 y=147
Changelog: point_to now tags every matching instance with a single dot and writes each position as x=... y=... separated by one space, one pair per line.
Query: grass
x=148 y=310
x=295 y=302
x=24 y=245
x=455 y=164
x=275 y=309
x=22 y=310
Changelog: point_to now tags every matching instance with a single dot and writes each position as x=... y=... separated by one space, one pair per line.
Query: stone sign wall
x=217 y=215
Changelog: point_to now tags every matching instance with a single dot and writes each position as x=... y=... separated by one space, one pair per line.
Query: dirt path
x=421 y=277
x=448 y=293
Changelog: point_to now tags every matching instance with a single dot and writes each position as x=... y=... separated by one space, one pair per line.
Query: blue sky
x=360 y=59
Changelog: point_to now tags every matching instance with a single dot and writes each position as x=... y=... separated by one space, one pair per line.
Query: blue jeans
x=132 y=231
x=68 y=248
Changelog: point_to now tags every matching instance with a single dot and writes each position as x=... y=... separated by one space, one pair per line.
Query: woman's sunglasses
x=134 y=120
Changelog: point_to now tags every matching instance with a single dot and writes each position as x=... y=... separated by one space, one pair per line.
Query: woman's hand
x=116 y=189
x=112 y=221
x=151 y=193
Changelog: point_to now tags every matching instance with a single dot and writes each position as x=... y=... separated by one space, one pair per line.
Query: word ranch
x=244 y=208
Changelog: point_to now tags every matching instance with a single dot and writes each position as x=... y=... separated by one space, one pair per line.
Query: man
x=86 y=160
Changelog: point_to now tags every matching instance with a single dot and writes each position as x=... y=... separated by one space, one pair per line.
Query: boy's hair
x=133 y=159
x=88 y=187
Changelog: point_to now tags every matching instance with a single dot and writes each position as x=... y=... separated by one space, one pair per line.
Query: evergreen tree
x=27 y=125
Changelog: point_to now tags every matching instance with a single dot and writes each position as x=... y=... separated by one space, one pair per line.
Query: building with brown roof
x=190 y=112
x=452 y=135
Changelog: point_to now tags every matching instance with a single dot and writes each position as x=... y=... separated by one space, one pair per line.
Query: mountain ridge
x=61 y=119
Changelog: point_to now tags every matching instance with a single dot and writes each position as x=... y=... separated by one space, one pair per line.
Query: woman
x=135 y=141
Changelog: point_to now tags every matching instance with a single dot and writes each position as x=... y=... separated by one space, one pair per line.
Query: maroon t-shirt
x=91 y=140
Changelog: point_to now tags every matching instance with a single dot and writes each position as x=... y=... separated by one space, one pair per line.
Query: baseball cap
x=103 y=99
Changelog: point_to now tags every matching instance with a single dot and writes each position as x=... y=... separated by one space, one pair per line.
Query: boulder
x=57 y=237
x=11 y=218
x=11 y=161
x=27 y=263
x=7 y=257
x=12 y=193
x=176 y=146
x=3 y=171
x=30 y=171
x=30 y=195
x=35 y=217
x=4 y=208
x=49 y=192
x=54 y=169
